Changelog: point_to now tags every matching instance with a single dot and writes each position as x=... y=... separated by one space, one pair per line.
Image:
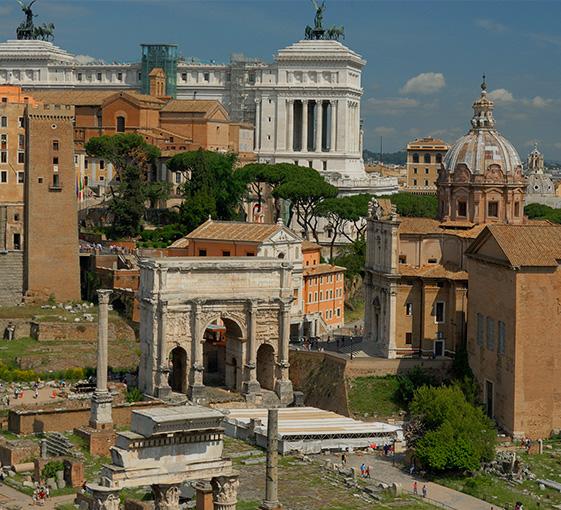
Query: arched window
x=120 y=124
x=415 y=158
x=427 y=158
x=439 y=158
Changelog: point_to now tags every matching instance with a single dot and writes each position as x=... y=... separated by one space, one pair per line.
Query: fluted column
x=304 y=125
x=333 y=125
x=162 y=385
x=283 y=387
x=225 y=492
x=196 y=386
x=319 y=125
x=251 y=385
x=290 y=125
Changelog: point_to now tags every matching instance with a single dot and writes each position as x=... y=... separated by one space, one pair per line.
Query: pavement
x=11 y=498
x=382 y=470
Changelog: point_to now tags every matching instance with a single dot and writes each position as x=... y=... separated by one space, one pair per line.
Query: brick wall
x=84 y=331
x=11 y=278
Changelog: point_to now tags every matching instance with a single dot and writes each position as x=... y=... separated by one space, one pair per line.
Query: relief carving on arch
x=239 y=317
x=462 y=173
x=178 y=327
x=494 y=174
x=267 y=326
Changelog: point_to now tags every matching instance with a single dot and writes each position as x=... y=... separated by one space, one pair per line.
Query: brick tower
x=51 y=264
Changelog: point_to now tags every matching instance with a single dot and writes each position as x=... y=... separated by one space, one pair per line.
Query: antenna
x=381 y=153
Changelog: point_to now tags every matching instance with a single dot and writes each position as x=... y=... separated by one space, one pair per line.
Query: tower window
x=120 y=124
x=439 y=158
x=415 y=158
x=516 y=208
x=462 y=208
x=55 y=145
x=427 y=158
x=3 y=122
x=3 y=176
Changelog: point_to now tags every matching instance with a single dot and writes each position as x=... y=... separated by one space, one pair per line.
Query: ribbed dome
x=483 y=145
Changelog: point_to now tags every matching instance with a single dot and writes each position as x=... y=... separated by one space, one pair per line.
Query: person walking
x=415 y=490
x=424 y=491
x=362 y=470
x=344 y=459
x=367 y=472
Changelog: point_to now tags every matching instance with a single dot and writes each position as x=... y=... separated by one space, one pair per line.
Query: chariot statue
x=317 y=32
x=28 y=30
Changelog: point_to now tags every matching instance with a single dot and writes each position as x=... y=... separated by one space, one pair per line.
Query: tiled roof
x=309 y=245
x=190 y=106
x=432 y=271
x=72 y=97
x=235 y=231
x=529 y=245
x=432 y=226
x=143 y=98
x=322 y=269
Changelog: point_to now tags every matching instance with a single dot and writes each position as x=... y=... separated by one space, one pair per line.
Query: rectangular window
x=309 y=297
x=3 y=176
x=3 y=157
x=321 y=295
x=439 y=312
x=250 y=254
x=338 y=312
x=86 y=163
x=415 y=170
x=21 y=177
x=324 y=165
x=403 y=259
x=225 y=253
x=426 y=182
x=3 y=141
x=98 y=76
x=408 y=338
x=202 y=253
x=21 y=157
x=462 y=208
x=184 y=76
x=55 y=145
x=206 y=76
x=3 y=121
x=56 y=181
x=21 y=122
x=21 y=141
x=315 y=297
x=501 y=337
x=409 y=309
x=17 y=241
x=79 y=77
x=414 y=182
x=516 y=208
x=120 y=76
x=490 y=334
x=177 y=177
x=426 y=170
x=480 y=329
x=493 y=209
x=101 y=164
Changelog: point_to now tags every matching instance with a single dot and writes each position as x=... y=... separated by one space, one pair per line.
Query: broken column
x=104 y=498
x=101 y=417
x=271 y=501
x=225 y=492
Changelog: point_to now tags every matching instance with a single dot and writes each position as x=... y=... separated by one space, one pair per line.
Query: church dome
x=483 y=145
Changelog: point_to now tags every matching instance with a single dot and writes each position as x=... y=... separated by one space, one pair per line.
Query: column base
x=249 y=387
x=101 y=412
x=196 y=392
x=284 y=391
x=163 y=392
x=270 y=505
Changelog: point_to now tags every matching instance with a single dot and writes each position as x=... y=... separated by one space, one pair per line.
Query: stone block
x=59 y=475
x=61 y=484
x=51 y=483
x=73 y=472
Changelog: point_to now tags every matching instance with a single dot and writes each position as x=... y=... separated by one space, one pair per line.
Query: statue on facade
x=317 y=32
x=28 y=30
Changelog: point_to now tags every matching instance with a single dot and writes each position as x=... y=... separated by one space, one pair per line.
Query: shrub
x=410 y=382
x=51 y=468
x=134 y=395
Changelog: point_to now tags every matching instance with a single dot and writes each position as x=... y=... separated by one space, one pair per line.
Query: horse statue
x=335 y=33
x=308 y=33
x=44 y=32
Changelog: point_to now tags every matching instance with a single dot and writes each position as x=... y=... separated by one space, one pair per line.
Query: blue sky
x=425 y=59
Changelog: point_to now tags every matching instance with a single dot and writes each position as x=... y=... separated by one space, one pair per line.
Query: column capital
x=225 y=492
x=103 y=296
x=166 y=496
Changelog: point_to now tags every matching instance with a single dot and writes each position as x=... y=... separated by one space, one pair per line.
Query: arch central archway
x=223 y=354
x=266 y=366
x=178 y=374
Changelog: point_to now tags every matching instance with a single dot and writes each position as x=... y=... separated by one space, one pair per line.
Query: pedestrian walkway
x=11 y=498
x=382 y=470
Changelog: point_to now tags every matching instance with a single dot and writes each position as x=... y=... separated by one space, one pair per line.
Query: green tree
x=133 y=159
x=450 y=434
x=305 y=191
x=157 y=190
x=212 y=187
x=420 y=206
x=543 y=212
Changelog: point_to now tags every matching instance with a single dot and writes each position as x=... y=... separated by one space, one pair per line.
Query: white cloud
x=557 y=145
x=424 y=83
x=384 y=131
x=86 y=59
x=391 y=105
x=490 y=25
x=540 y=102
x=501 y=96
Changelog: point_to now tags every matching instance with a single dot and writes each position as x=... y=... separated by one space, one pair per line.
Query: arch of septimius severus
x=183 y=301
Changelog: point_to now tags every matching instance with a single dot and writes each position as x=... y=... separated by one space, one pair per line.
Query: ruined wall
x=84 y=331
x=11 y=278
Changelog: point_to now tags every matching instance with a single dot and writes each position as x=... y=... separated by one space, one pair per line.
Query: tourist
x=362 y=470
x=415 y=490
x=367 y=472
x=344 y=459
x=424 y=491
x=412 y=469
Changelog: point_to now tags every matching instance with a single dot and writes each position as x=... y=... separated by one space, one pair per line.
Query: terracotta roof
x=432 y=226
x=236 y=231
x=140 y=98
x=322 y=269
x=432 y=271
x=428 y=140
x=190 y=106
x=309 y=246
x=529 y=245
x=72 y=97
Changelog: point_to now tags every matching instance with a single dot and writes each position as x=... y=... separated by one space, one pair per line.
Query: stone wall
x=62 y=419
x=23 y=327
x=17 y=452
x=83 y=331
x=11 y=278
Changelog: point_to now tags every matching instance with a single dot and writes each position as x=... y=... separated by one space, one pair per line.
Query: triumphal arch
x=215 y=321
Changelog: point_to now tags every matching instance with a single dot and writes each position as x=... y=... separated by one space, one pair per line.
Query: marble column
x=251 y=385
x=290 y=125
x=271 y=501
x=304 y=125
x=319 y=125
x=257 y=124
x=283 y=386
x=333 y=125
x=100 y=416
x=104 y=498
x=166 y=496
x=162 y=385
x=196 y=387
x=225 y=492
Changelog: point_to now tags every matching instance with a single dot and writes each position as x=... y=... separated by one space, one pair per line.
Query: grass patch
x=374 y=396
x=248 y=505
x=354 y=310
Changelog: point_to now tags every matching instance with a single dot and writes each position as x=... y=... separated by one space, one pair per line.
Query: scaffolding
x=163 y=56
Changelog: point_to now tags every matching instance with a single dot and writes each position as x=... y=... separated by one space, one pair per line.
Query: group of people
x=40 y=494
x=10 y=331
x=424 y=490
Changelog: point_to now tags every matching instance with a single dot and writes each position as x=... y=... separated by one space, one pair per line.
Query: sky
x=425 y=58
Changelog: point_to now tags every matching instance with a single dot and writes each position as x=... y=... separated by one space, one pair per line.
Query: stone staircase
x=57 y=445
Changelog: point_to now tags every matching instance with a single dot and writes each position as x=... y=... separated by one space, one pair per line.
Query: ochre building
x=424 y=158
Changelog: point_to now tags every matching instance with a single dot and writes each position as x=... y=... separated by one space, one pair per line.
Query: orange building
x=324 y=288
